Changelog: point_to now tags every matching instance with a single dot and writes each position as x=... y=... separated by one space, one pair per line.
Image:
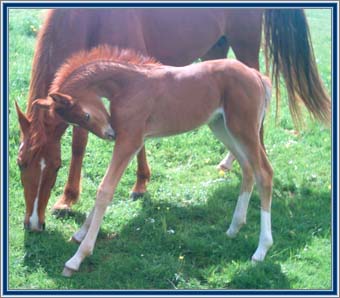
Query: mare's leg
x=71 y=191
x=253 y=160
x=125 y=149
x=218 y=51
x=143 y=175
x=245 y=36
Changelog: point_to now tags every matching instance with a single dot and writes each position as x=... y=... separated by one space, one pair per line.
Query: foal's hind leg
x=253 y=160
x=264 y=177
x=143 y=175
x=240 y=214
x=220 y=51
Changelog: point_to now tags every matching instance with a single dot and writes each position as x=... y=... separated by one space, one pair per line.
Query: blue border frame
x=335 y=22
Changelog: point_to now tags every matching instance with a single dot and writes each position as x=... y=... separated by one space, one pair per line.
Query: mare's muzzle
x=40 y=228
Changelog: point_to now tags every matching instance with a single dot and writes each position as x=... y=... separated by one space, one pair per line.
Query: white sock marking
x=266 y=240
x=34 y=218
x=240 y=214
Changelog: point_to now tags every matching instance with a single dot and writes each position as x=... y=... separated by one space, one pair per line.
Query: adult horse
x=173 y=36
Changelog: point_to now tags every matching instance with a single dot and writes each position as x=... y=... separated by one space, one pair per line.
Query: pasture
x=174 y=238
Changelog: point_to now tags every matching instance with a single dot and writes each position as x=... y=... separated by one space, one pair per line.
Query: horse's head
x=39 y=161
x=87 y=112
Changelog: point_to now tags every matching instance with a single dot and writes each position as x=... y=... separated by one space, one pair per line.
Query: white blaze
x=34 y=218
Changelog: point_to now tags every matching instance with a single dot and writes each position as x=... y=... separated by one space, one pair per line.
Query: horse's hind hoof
x=67 y=272
x=137 y=195
x=74 y=240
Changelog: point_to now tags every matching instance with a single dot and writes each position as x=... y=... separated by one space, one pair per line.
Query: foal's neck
x=104 y=77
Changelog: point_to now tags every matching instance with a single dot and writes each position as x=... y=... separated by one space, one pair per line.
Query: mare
x=173 y=36
x=148 y=100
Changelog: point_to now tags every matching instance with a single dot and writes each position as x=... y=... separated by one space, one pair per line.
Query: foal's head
x=88 y=112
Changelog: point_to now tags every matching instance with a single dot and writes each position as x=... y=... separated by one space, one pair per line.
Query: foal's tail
x=267 y=85
x=288 y=45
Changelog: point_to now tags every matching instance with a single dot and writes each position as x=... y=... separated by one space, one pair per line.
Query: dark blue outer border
x=209 y=293
x=335 y=149
x=137 y=4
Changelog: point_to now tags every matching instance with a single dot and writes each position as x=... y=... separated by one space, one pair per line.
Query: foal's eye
x=87 y=117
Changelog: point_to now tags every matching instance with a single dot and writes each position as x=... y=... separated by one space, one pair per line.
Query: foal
x=148 y=100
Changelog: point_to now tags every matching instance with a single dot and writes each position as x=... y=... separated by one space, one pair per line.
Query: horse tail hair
x=288 y=46
x=267 y=85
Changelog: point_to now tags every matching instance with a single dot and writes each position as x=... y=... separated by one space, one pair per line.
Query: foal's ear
x=62 y=101
x=43 y=103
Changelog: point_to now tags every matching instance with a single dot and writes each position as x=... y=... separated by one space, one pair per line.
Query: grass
x=175 y=236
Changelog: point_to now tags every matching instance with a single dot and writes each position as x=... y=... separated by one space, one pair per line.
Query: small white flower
x=171 y=231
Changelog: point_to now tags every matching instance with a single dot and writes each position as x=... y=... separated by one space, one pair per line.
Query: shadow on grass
x=167 y=246
x=68 y=213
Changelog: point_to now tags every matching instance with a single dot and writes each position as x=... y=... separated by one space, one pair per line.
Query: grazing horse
x=173 y=36
x=149 y=100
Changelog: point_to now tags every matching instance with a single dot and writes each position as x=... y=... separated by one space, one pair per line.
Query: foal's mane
x=102 y=53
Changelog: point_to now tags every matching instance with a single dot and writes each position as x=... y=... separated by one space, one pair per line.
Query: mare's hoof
x=67 y=272
x=136 y=195
x=60 y=213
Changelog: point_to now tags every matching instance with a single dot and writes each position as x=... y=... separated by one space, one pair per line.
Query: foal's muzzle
x=110 y=134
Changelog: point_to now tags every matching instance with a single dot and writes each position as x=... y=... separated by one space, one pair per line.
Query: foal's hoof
x=224 y=167
x=74 y=240
x=136 y=195
x=67 y=272
x=231 y=233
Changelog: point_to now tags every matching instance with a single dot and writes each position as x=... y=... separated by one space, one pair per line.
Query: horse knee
x=103 y=198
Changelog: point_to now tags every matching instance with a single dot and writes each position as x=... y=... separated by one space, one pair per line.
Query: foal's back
x=188 y=97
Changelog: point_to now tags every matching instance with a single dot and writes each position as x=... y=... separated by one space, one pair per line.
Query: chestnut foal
x=148 y=100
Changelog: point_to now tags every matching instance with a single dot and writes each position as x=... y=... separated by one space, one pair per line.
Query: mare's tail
x=288 y=45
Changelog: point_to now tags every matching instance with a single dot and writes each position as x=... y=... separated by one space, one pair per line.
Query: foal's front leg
x=123 y=152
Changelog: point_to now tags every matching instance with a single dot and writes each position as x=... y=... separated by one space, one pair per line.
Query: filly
x=148 y=100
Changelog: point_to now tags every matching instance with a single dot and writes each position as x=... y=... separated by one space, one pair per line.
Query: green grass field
x=175 y=236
